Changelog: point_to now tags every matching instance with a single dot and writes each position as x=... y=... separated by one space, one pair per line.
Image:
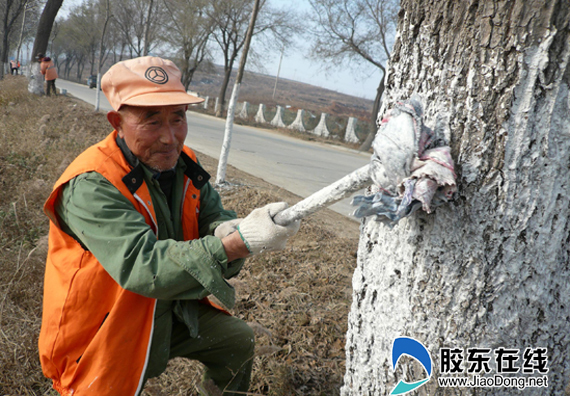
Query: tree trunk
x=185 y=63
x=67 y=68
x=189 y=75
x=365 y=146
x=100 y=60
x=80 y=68
x=224 y=88
x=6 y=29
x=146 y=47
x=36 y=79
x=490 y=269
x=22 y=32
x=222 y=164
x=44 y=26
x=4 y=55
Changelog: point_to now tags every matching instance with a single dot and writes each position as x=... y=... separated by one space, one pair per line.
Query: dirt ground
x=297 y=300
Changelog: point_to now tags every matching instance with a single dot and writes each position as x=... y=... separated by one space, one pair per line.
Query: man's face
x=155 y=135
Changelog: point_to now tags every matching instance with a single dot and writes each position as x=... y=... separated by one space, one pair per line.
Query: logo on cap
x=156 y=75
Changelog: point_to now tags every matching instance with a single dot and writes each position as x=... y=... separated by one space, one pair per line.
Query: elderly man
x=138 y=240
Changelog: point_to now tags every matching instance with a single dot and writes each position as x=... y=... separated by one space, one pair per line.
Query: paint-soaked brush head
x=411 y=166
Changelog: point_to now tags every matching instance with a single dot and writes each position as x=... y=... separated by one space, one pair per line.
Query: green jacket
x=96 y=214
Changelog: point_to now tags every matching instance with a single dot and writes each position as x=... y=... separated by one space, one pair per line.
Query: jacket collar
x=134 y=179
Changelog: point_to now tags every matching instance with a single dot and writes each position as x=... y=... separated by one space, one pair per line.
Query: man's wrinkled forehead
x=145 y=112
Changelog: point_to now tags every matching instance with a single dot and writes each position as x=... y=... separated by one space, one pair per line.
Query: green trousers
x=225 y=345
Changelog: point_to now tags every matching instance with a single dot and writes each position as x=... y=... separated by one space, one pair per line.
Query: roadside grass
x=39 y=136
x=297 y=300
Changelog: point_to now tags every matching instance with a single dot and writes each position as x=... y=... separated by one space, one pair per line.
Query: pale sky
x=296 y=65
x=361 y=82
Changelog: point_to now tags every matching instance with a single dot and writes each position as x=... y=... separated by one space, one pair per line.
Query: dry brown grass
x=296 y=300
x=38 y=138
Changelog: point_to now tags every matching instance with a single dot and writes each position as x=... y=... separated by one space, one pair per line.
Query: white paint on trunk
x=98 y=92
x=223 y=162
x=36 y=83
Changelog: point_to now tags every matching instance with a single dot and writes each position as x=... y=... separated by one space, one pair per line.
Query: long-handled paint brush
x=326 y=196
x=411 y=165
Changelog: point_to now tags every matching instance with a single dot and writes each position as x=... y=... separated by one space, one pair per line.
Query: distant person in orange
x=14 y=66
x=50 y=73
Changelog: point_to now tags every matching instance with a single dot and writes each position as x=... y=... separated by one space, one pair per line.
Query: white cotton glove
x=226 y=228
x=261 y=234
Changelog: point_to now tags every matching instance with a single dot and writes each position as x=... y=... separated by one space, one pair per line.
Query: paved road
x=296 y=165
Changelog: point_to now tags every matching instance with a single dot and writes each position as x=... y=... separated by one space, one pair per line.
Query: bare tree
x=72 y=41
x=118 y=43
x=45 y=25
x=189 y=32
x=230 y=20
x=11 y=13
x=355 y=31
x=139 y=21
x=101 y=53
x=70 y=60
x=79 y=34
x=83 y=38
x=54 y=51
x=221 y=173
x=43 y=34
x=491 y=269
x=29 y=6
x=147 y=27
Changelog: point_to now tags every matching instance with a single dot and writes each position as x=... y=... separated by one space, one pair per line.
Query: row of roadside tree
x=196 y=33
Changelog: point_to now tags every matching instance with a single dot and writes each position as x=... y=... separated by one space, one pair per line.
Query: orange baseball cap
x=145 y=81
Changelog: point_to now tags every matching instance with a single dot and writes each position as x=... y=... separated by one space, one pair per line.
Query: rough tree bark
x=228 y=67
x=367 y=144
x=44 y=27
x=491 y=269
x=26 y=7
x=36 y=83
x=11 y=13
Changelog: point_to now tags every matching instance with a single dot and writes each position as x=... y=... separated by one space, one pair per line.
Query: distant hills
x=258 y=88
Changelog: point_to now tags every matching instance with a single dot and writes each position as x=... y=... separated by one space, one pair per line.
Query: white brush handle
x=326 y=196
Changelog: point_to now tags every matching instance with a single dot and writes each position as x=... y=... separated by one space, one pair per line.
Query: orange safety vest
x=95 y=336
x=48 y=70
